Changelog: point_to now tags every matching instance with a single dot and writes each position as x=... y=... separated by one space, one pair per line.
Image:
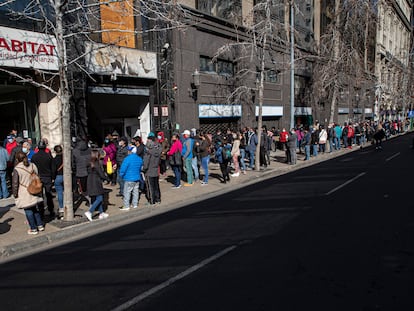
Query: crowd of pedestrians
x=135 y=167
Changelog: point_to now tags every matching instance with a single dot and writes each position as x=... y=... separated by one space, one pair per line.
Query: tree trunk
x=64 y=97
x=336 y=36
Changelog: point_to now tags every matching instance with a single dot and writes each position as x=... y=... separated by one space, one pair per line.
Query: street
x=338 y=235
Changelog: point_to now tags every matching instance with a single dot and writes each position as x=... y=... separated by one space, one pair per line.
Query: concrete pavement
x=15 y=242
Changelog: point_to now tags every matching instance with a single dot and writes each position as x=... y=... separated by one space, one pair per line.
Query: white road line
x=392 y=157
x=174 y=279
x=345 y=183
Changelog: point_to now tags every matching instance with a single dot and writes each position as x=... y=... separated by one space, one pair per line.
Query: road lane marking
x=345 y=183
x=392 y=157
x=174 y=279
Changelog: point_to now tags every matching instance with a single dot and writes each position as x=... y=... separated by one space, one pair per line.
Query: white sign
x=27 y=49
x=115 y=60
x=270 y=111
x=303 y=111
x=219 y=111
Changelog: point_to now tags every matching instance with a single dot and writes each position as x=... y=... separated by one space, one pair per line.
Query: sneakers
x=235 y=174
x=103 y=215
x=244 y=172
x=124 y=208
x=203 y=183
x=135 y=207
x=32 y=232
x=88 y=215
x=176 y=187
x=188 y=185
x=40 y=228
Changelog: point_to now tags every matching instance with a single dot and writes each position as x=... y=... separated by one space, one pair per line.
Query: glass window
x=225 y=68
x=226 y=9
x=272 y=76
x=206 y=64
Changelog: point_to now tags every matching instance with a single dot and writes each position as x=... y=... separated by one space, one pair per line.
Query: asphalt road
x=338 y=235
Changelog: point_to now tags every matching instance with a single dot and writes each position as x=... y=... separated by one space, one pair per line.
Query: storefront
x=219 y=117
x=32 y=110
x=122 y=100
x=303 y=116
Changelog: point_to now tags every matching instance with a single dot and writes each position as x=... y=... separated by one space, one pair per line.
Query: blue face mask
x=24 y=150
x=10 y=140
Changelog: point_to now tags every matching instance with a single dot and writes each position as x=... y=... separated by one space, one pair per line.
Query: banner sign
x=27 y=49
x=219 y=111
x=115 y=60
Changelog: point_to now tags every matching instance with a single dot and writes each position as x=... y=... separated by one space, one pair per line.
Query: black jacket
x=95 y=178
x=45 y=164
x=81 y=159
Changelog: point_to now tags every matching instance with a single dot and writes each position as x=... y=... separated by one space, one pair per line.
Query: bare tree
x=344 y=52
x=72 y=23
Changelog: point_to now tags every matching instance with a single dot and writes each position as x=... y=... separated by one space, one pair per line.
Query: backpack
x=35 y=185
x=226 y=154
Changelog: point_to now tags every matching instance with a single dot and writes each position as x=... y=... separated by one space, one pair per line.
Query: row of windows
x=226 y=68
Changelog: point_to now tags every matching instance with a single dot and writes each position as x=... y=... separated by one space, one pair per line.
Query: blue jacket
x=131 y=168
x=4 y=157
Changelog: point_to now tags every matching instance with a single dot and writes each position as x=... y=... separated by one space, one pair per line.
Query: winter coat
x=81 y=159
x=338 y=131
x=152 y=159
x=121 y=154
x=95 y=177
x=20 y=181
x=204 y=148
x=4 y=157
x=323 y=136
x=235 y=150
x=110 y=153
x=164 y=145
x=131 y=168
x=292 y=141
x=45 y=164
x=252 y=142
x=177 y=146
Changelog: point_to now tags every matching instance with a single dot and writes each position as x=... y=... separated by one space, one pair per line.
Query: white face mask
x=24 y=150
x=159 y=137
x=10 y=140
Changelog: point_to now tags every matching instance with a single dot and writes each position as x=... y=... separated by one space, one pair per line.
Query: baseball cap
x=186 y=132
x=133 y=149
x=151 y=134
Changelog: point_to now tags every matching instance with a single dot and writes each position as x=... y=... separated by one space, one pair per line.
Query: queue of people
x=136 y=167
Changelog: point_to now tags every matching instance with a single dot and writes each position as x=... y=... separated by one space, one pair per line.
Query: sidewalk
x=15 y=242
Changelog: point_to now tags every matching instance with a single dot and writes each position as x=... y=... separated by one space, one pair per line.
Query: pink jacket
x=110 y=152
x=176 y=146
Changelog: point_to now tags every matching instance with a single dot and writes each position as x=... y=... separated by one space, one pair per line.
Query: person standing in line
x=46 y=166
x=323 y=137
x=4 y=158
x=235 y=153
x=130 y=172
x=151 y=169
x=196 y=154
x=251 y=146
x=223 y=160
x=20 y=180
x=175 y=159
x=205 y=146
x=27 y=149
x=306 y=142
x=187 y=154
x=58 y=159
x=121 y=154
x=291 y=146
x=95 y=179
x=165 y=146
x=110 y=155
x=242 y=149
x=81 y=157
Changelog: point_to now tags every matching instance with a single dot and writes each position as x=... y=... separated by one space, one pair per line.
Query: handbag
x=175 y=159
x=109 y=168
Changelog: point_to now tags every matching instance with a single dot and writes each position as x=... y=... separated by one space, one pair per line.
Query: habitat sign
x=27 y=49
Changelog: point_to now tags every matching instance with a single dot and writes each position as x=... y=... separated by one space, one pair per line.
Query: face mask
x=10 y=140
x=120 y=144
x=159 y=137
x=24 y=150
x=106 y=141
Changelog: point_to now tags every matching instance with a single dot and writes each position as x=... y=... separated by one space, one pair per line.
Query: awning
x=119 y=90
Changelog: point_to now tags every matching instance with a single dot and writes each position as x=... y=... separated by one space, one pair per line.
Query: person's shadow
x=5 y=225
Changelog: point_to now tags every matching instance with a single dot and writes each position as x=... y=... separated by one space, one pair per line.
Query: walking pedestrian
x=96 y=176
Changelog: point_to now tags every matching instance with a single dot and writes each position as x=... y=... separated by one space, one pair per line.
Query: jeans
x=307 y=152
x=236 y=163
x=120 y=182
x=331 y=145
x=97 y=204
x=4 y=193
x=345 y=139
x=242 y=157
x=177 y=173
x=337 y=143
x=204 y=165
x=59 y=190
x=131 y=187
x=33 y=217
x=189 y=170
x=251 y=154
x=194 y=165
x=315 y=149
